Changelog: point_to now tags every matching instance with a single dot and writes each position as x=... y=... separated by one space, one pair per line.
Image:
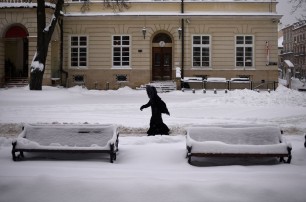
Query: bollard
x=107 y=86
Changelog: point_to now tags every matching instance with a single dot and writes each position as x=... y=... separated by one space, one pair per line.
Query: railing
x=230 y=85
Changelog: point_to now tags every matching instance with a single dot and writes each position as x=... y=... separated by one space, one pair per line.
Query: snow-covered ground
x=151 y=168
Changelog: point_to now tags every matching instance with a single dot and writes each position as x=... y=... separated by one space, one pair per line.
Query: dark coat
x=158 y=106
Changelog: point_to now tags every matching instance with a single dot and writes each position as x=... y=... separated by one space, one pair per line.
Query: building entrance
x=16 y=53
x=162 y=57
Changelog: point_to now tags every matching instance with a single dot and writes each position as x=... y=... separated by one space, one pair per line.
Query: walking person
x=158 y=107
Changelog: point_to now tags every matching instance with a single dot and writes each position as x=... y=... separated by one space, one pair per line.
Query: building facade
x=102 y=47
x=294 y=44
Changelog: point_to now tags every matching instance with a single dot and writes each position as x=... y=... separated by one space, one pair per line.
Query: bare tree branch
x=297 y=5
x=116 y=5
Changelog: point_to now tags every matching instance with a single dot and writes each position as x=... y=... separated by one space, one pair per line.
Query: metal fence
x=230 y=85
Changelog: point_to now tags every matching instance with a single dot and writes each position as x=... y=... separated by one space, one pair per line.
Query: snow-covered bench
x=237 y=141
x=68 y=138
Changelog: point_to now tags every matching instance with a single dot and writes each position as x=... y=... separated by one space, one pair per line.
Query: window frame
x=78 y=47
x=245 y=45
x=201 y=46
x=121 y=46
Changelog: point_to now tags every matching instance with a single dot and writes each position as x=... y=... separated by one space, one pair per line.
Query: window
x=121 y=51
x=244 y=51
x=78 y=55
x=201 y=51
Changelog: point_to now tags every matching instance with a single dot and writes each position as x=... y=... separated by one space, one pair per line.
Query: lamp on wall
x=144 y=31
x=179 y=30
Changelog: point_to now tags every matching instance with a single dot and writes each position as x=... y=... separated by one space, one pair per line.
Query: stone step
x=17 y=82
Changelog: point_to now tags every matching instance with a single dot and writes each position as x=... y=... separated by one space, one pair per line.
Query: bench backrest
x=70 y=135
x=264 y=135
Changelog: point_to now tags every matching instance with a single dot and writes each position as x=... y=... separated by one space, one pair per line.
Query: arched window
x=16 y=32
x=162 y=37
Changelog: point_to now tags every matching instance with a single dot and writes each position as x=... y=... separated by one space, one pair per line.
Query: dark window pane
x=196 y=40
x=205 y=39
x=125 y=38
x=239 y=40
x=248 y=40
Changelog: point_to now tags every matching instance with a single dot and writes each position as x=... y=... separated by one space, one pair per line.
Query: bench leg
x=117 y=142
x=189 y=159
x=288 y=159
x=14 y=156
x=111 y=158
x=290 y=155
x=188 y=155
x=14 y=152
x=112 y=153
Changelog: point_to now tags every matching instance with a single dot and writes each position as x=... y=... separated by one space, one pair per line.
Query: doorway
x=162 y=57
x=16 y=53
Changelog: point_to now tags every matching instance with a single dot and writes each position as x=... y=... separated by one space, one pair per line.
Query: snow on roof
x=24 y=5
x=289 y=63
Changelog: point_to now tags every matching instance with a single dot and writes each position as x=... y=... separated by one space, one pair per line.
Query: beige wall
x=222 y=31
x=89 y=20
x=208 y=6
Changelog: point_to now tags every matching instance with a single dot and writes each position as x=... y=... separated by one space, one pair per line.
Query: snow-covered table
x=68 y=138
x=237 y=141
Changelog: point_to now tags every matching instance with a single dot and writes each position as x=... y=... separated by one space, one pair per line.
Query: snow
x=69 y=137
x=216 y=79
x=36 y=65
x=50 y=23
x=236 y=139
x=280 y=42
x=289 y=63
x=151 y=168
x=261 y=135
